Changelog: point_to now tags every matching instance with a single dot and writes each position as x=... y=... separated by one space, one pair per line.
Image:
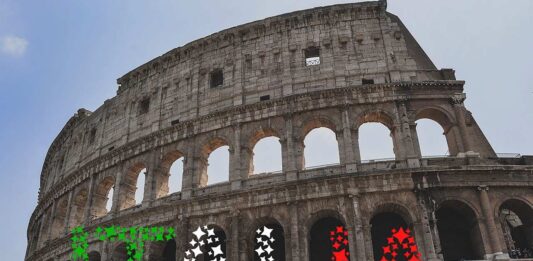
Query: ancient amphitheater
x=337 y=67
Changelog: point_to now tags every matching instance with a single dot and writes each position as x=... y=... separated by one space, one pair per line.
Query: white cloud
x=13 y=45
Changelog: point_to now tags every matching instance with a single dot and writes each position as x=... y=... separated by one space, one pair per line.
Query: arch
x=101 y=196
x=375 y=124
x=163 y=251
x=268 y=239
x=315 y=122
x=378 y=116
x=431 y=139
x=216 y=145
x=120 y=252
x=321 y=147
x=516 y=220
x=328 y=239
x=78 y=206
x=391 y=231
x=60 y=215
x=129 y=195
x=213 y=245
x=265 y=153
x=172 y=168
x=459 y=231
x=445 y=121
x=95 y=256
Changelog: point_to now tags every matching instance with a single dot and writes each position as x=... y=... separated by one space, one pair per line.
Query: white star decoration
x=203 y=245
x=199 y=233
x=264 y=249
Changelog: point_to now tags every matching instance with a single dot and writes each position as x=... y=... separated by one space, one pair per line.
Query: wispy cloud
x=13 y=45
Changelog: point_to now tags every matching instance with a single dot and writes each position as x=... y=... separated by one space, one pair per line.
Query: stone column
x=404 y=133
x=291 y=151
x=347 y=155
x=358 y=233
x=429 y=245
x=235 y=163
x=234 y=253
x=489 y=222
x=187 y=182
x=51 y=220
x=459 y=110
x=69 y=210
x=116 y=195
x=90 y=195
x=355 y=146
x=294 y=231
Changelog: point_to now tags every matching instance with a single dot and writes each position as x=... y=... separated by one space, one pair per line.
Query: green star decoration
x=134 y=238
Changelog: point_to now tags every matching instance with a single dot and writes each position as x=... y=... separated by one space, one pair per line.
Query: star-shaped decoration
x=192 y=242
x=269 y=250
x=259 y=251
x=199 y=233
x=217 y=250
x=211 y=232
x=197 y=251
x=266 y=232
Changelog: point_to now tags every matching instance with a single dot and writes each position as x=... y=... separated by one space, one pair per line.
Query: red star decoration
x=390 y=240
x=340 y=229
x=401 y=235
x=386 y=249
x=336 y=245
x=414 y=248
x=345 y=242
x=340 y=255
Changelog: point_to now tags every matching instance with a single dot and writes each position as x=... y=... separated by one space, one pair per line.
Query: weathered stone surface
x=371 y=70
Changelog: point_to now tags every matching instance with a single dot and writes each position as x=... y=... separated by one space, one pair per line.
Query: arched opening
x=266 y=156
x=94 y=256
x=79 y=204
x=171 y=179
x=120 y=253
x=329 y=240
x=214 y=162
x=103 y=197
x=132 y=186
x=207 y=243
x=58 y=225
x=392 y=238
x=459 y=233
x=431 y=138
x=516 y=219
x=321 y=148
x=375 y=142
x=269 y=242
x=163 y=251
x=430 y=141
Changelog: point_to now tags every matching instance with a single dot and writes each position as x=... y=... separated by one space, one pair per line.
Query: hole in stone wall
x=139 y=192
x=328 y=240
x=375 y=142
x=267 y=155
x=367 y=81
x=176 y=176
x=321 y=148
x=109 y=201
x=264 y=98
x=92 y=136
x=218 y=165
x=216 y=78
x=312 y=56
x=431 y=138
x=144 y=106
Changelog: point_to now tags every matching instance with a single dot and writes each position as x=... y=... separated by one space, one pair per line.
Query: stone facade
x=371 y=70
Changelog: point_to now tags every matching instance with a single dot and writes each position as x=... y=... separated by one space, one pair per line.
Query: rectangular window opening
x=216 y=78
x=368 y=81
x=264 y=98
x=144 y=106
x=312 y=56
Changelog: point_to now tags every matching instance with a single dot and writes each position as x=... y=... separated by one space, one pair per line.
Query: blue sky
x=58 y=56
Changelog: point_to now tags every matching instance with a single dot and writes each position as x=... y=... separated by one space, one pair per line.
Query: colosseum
x=337 y=67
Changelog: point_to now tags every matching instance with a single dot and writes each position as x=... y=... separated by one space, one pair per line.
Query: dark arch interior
x=169 y=252
x=329 y=241
x=458 y=232
x=516 y=218
x=269 y=242
x=94 y=256
x=120 y=253
x=219 y=239
x=383 y=228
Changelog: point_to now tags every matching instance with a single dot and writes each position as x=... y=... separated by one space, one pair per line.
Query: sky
x=59 y=56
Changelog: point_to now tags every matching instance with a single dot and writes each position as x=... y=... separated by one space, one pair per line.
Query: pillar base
x=351 y=167
x=236 y=184
x=186 y=194
x=413 y=163
x=498 y=256
x=292 y=175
